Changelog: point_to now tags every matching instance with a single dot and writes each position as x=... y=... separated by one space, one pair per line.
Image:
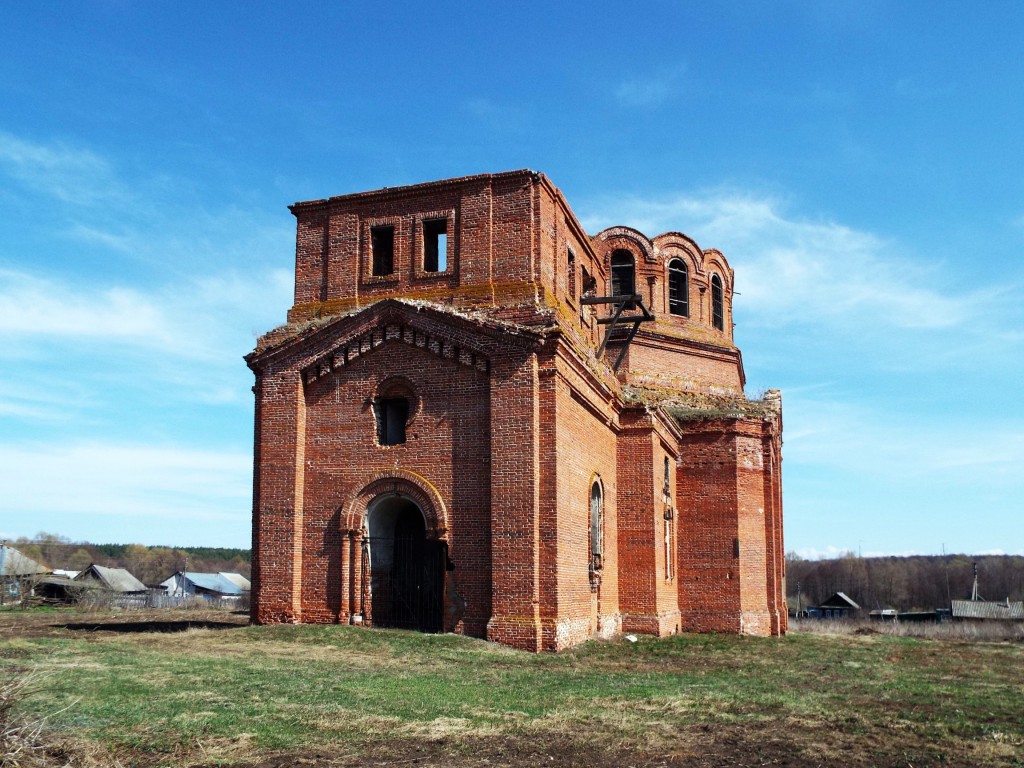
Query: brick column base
x=520 y=632
x=658 y=624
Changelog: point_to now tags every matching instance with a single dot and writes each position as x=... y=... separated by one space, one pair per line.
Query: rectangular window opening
x=392 y=413
x=435 y=246
x=382 y=245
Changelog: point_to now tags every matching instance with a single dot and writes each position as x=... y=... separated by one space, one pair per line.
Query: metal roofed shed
x=238 y=579
x=228 y=586
x=984 y=610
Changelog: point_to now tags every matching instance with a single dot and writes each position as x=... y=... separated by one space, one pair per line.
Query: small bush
x=27 y=742
x=20 y=736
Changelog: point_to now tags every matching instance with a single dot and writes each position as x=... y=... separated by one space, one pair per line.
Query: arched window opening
x=717 y=303
x=668 y=515
x=623 y=274
x=596 y=527
x=678 y=288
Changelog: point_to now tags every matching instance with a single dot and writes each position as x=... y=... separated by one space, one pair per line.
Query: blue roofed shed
x=212 y=585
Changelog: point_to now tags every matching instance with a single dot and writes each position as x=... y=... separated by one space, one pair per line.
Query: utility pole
x=945 y=565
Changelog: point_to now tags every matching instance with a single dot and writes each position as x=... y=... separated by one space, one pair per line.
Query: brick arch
x=715 y=261
x=637 y=242
x=674 y=245
x=399 y=482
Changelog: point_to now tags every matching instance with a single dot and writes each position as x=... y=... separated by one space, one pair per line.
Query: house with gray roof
x=111 y=579
x=16 y=574
x=839 y=606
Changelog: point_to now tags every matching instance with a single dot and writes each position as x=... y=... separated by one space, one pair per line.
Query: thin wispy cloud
x=70 y=174
x=650 y=90
x=911 y=88
x=201 y=319
x=91 y=234
x=494 y=115
x=854 y=438
x=35 y=306
x=152 y=218
x=797 y=271
x=62 y=399
x=179 y=344
x=173 y=482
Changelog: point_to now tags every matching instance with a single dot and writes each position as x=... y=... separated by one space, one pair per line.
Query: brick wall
x=513 y=420
x=581 y=450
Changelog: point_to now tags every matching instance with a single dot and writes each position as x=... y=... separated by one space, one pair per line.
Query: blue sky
x=860 y=165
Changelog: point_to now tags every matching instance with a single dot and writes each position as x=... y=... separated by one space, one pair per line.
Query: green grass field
x=345 y=696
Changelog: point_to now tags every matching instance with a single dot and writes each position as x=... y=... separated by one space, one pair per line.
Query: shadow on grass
x=148 y=626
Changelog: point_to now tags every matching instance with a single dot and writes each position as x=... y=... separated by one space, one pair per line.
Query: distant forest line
x=914 y=583
x=151 y=565
x=918 y=582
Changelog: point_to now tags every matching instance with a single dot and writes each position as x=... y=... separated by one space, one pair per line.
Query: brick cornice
x=465 y=339
x=430 y=187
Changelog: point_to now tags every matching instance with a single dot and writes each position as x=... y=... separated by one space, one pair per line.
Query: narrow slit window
x=570 y=268
x=678 y=288
x=435 y=246
x=668 y=548
x=717 y=303
x=391 y=413
x=596 y=526
x=382 y=244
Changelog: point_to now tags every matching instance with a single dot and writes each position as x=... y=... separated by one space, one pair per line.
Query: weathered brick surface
x=512 y=421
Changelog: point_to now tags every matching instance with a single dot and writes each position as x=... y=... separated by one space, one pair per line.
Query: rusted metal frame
x=613 y=321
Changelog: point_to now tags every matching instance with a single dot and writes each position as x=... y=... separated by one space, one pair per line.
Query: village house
x=839 y=606
x=17 y=574
x=478 y=418
x=116 y=580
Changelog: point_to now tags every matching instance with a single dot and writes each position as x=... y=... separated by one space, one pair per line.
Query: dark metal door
x=411 y=594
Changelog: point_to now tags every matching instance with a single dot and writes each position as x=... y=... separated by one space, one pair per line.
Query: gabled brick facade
x=440 y=445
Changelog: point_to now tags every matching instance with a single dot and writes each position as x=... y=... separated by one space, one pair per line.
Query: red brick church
x=480 y=419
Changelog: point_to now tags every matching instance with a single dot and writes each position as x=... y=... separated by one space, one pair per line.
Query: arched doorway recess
x=405 y=570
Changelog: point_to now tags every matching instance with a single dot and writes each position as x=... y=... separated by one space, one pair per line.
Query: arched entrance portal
x=406 y=570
